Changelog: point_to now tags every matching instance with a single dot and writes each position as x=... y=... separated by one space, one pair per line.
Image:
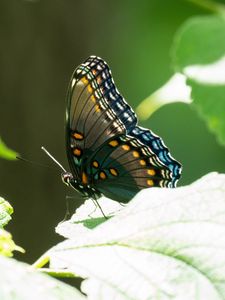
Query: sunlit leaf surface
x=166 y=244
x=19 y=282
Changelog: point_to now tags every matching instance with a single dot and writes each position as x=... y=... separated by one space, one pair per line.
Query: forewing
x=89 y=117
x=110 y=93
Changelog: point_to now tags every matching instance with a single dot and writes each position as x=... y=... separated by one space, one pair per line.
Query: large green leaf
x=199 y=53
x=209 y=101
x=166 y=244
x=199 y=41
x=19 y=282
x=7 y=153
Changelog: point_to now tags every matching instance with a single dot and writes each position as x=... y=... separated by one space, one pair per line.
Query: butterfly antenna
x=33 y=162
x=53 y=158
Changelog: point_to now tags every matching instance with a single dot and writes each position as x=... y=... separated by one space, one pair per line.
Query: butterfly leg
x=97 y=205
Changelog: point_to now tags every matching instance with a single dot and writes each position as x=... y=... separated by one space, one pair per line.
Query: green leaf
x=211 y=5
x=209 y=101
x=87 y=217
x=19 y=282
x=166 y=244
x=199 y=53
x=174 y=90
x=7 y=153
x=199 y=41
x=5 y=211
x=7 y=245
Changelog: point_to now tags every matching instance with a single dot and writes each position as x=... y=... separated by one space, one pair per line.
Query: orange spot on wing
x=136 y=154
x=99 y=80
x=102 y=175
x=93 y=99
x=126 y=147
x=84 y=178
x=84 y=80
x=77 y=152
x=97 y=108
x=142 y=162
x=78 y=136
x=151 y=172
x=90 y=89
x=113 y=143
x=150 y=182
x=113 y=172
x=95 y=164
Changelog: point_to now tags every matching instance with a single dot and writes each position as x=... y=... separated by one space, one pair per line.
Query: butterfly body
x=108 y=153
x=86 y=190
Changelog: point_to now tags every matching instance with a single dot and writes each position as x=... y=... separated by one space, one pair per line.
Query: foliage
x=5 y=152
x=199 y=53
x=7 y=245
x=199 y=57
x=5 y=212
x=19 y=282
x=165 y=243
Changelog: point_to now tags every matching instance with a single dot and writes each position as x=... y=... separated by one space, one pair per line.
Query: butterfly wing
x=123 y=166
x=129 y=119
x=89 y=119
x=156 y=144
x=100 y=127
x=110 y=93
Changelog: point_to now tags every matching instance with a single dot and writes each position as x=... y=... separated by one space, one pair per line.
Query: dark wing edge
x=156 y=144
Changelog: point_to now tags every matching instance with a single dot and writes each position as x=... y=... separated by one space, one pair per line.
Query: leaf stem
x=41 y=261
x=210 y=5
x=59 y=273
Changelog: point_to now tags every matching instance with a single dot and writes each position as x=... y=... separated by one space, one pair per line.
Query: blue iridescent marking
x=157 y=146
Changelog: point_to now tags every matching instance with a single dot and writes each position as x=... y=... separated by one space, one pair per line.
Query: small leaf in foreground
x=19 y=282
x=199 y=41
x=167 y=243
x=7 y=245
x=7 y=153
x=5 y=211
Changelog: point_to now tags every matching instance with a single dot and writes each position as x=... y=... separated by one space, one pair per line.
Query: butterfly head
x=86 y=191
x=70 y=181
x=67 y=178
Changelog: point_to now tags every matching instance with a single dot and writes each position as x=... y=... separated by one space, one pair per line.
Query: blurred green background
x=41 y=43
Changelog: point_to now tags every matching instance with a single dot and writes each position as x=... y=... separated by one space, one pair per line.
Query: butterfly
x=108 y=153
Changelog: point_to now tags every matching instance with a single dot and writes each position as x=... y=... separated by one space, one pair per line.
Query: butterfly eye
x=67 y=178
